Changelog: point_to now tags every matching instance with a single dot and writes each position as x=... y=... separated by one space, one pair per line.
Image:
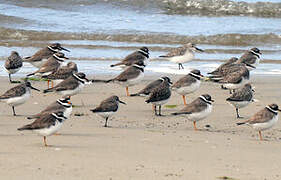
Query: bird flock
x=67 y=81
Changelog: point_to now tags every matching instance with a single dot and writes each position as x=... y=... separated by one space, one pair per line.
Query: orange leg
x=48 y=82
x=184 y=101
x=127 y=91
x=52 y=84
x=194 y=125
x=45 y=143
x=260 y=135
x=57 y=134
x=153 y=107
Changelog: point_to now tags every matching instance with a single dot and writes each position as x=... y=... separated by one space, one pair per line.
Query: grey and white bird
x=188 y=84
x=198 y=109
x=41 y=56
x=131 y=76
x=182 y=54
x=251 y=57
x=70 y=86
x=13 y=64
x=160 y=95
x=17 y=95
x=264 y=119
x=107 y=108
x=61 y=105
x=220 y=70
x=46 y=124
x=141 y=54
x=241 y=98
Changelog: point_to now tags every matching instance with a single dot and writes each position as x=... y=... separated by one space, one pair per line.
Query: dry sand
x=138 y=145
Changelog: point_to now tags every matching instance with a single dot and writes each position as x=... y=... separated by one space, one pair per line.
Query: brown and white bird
x=182 y=54
x=198 y=109
x=46 y=124
x=41 y=56
x=188 y=84
x=140 y=55
x=70 y=86
x=13 y=64
x=241 y=98
x=130 y=76
x=264 y=119
x=160 y=95
x=220 y=70
x=108 y=107
x=251 y=57
x=17 y=95
x=61 y=105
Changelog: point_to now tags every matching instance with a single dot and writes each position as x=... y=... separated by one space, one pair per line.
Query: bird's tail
x=117 y=64
x=99 y=80
x=163 y=56
x=241 y=123
x=26 y=59
x=26 y=127
x=48 y=90
x=136 y=94
x=31 y=74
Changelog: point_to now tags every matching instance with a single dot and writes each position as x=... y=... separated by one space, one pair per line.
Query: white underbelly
x=200 y=115
x=38 y=64
x=265 y=125
x=15 y=101
x=188 y=89
x=13 y=71
x=134 y=81
x=105 y=114
x=159 y=103
x=49 y=131
x=239 y=104
x=68 y=112
x=72 y=92
x=182 y=59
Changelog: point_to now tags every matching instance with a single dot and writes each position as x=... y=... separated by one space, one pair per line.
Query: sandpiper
x=46 y=125
x=17 y=95
x=241 y=98
x=264 y=119
x=13 y=64
x=198 y=109
x=140 y=55
x=41 y=56
x=108 y=107
x=130 y=76
x=182 y=54
x=160 y=95
x=251 y=57
x=188 y=84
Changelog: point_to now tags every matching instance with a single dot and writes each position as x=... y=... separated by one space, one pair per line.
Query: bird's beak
x=253 y=90
x=64 y=117
x=212 y=100
x=66 y=58
x=34 y=88
x=122 y=102
x=201 y=75
x=69 y=102
x=279 y=110
x=198 y=49
x=65 y=49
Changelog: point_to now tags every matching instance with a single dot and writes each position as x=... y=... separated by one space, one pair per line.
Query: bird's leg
x=153 y=107
x=159 y=113
x=181 y=66
x=10 y=78
x=105 y=125
x=48 y=82
x=52 y=84
x=194 y=126
x=45 y=143
x=260 y=135
x=127 y=91
x=184 y=101
x=230 y=91
x=237 y=113
x=14 y=113
x=155 y=110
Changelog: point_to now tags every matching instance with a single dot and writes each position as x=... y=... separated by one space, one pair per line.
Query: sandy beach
x=138 y=145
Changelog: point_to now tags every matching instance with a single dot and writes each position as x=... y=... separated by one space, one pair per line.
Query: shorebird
x=198 y=109
x=61 y=105
x=140 y=55
x=182 y=54
x=160 y=95
x=223 y=67
x=107 y=108
x=241 y=98
x=62 y=73
x=13 y=64
x=41 y=56
x=130 y=76
x=251 y=57
x=188 y=84
x=17 y=95
x=264 y=119
x=70 y=86
x=46 y=125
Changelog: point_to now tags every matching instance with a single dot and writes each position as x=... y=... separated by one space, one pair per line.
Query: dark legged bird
x=13 y=64
x=241 y=98
x=140 y=55
x=182 y=54
x=107 y=108
x=251 y=57
x=264 y=119
x=198 y=109
x=61 y=105
x=160 y=95
x=70 y=86
x=46 y=125
x=41 y=56
x=130 y=76
x=188 y=84
x=17 y=95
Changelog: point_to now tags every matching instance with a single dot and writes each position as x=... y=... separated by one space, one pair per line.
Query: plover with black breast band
x=141 y=54
x=13 y=64
x=264 y=119
x=182 y=54
x=251 y=57
x=41 y=56
x=17 y=95
x=108 y=107
x=198 y=109
x=188 y=84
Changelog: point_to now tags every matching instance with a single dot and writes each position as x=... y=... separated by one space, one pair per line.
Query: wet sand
x=138 y=145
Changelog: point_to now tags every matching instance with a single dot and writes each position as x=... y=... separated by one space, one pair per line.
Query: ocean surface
x=101 y=32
